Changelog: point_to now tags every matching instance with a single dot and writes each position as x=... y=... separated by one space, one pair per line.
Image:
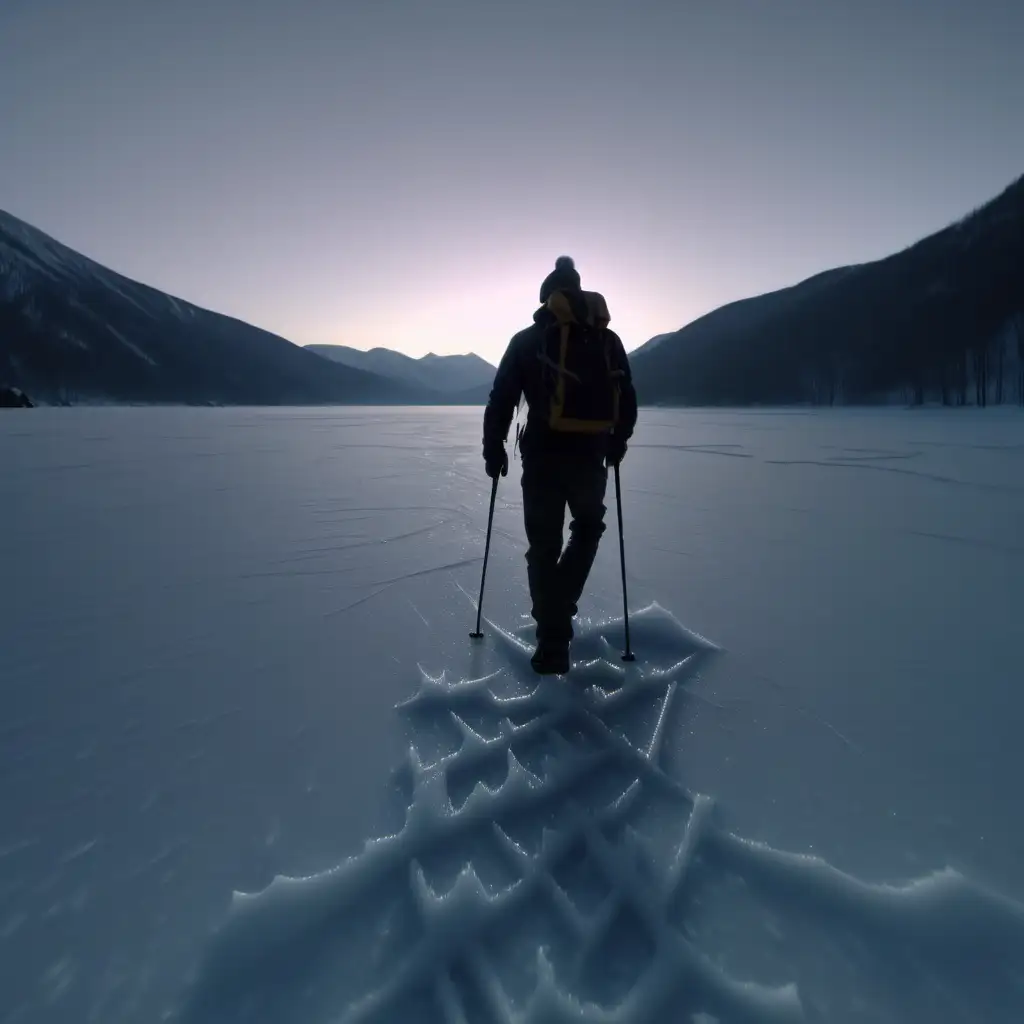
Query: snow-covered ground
x=209 y=619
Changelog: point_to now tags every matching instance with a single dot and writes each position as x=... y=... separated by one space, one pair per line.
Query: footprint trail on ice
x=550 y=870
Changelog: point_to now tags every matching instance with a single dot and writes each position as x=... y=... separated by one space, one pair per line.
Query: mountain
x=458 y=371
x=652 y=343
x=476 y=395
x=445 y=374
x=72 y=330
x=930 y=321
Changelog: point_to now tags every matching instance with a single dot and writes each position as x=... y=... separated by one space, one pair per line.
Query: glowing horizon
x=388 y=174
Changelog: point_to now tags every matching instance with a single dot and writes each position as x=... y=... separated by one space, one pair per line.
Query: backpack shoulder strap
x=561 y=308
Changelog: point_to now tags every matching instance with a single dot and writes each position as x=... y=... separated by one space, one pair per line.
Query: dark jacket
x=519 y=374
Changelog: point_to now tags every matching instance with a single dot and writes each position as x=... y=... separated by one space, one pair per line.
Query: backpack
x=580 y=374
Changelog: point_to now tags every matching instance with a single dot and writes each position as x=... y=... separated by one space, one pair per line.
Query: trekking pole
x=628 y=654
x=476 y=634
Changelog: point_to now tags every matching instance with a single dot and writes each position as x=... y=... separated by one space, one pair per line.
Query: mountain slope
x=458 y=372
x=921 y=319
x=71 y=329
x=444 y=374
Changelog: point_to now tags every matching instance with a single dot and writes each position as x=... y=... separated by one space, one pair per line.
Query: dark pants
x=557 y=577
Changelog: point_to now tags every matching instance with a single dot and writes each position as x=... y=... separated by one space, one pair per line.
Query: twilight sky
x=404 y=172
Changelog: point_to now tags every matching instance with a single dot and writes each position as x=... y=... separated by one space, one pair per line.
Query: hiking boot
x=551 y=659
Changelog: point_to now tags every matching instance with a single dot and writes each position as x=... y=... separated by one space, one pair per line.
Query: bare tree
x=1000 y=351
x=1015 y=323
x=961 y=378
x=980 y=353
x=945 y=374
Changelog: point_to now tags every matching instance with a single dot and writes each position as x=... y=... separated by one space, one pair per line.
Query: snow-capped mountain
x=446 y=374
x=934 y=321
x=73 y=330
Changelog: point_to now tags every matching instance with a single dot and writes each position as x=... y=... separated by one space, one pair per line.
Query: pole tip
x=475 y=635
x=629 y=656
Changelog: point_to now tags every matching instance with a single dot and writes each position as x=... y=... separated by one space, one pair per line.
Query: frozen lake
x=209 y=617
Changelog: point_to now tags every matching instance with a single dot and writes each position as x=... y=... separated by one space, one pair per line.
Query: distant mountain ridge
x=72 y=330
x=447 y=375
x=942 y=320
x=939 y=320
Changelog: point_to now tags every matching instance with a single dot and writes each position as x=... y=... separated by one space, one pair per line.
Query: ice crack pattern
x=550 y=870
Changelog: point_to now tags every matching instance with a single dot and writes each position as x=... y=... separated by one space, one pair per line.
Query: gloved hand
x=616 y=449
x=496 y=460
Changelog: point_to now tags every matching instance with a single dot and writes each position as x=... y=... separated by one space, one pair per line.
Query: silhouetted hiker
x=573 y=371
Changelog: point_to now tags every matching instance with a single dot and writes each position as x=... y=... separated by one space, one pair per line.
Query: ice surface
x=235 y=651
x=594 y=872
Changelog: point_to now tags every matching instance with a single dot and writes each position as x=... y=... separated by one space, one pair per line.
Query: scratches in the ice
x=824 y=723
x=10 y=849
x=79 y=851
x=362 y=599
x=1002 y=449
x=354 y=542
x=341 y=570
x=871 y=455
x=975 y=542
x=430 y=570
x=875 y=467
x=380 y=586
x=419 y=614
x=703 y=449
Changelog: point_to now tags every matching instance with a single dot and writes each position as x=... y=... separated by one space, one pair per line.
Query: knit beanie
x=564 y=275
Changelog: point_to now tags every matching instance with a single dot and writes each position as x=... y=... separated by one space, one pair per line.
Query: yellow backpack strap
x=559 y=306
